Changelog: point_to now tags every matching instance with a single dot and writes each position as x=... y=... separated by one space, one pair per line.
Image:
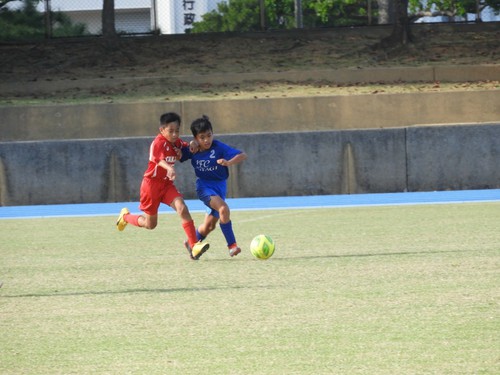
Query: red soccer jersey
x=162 y=149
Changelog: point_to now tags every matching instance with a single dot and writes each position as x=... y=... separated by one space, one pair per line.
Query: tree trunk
x=385 y=12
x=401 y=32
x=478 y=11
x=108 y=19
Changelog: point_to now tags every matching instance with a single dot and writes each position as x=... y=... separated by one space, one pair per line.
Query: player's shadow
x=127 y=291
x=193 y=290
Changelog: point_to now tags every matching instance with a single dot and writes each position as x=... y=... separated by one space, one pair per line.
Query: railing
x=45 y=19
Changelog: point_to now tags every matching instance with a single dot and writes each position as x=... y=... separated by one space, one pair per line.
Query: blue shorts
x=206 y=189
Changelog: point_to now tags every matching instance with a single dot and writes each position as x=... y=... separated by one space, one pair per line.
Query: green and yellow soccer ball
x=262 y=246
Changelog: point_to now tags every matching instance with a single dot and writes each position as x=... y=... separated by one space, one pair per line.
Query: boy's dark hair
x=169 y=117
x=201 y=125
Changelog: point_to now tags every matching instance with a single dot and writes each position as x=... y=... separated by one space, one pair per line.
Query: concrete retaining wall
x=453 y=158
x=440 y=73
x=297 y=163
x=248 y=116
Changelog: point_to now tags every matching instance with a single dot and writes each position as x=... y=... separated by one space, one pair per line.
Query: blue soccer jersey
x=205 y=162
x=212 y=177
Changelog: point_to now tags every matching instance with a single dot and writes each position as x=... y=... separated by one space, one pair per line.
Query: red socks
x=190 y=232
x=132 y=219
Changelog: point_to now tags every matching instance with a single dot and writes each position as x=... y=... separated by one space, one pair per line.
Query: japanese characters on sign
x=189 y=15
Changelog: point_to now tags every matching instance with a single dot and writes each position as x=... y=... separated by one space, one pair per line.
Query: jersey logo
x=204 y=166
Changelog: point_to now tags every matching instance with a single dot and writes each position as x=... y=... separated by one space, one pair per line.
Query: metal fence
x=69 y=18
x=56 y=18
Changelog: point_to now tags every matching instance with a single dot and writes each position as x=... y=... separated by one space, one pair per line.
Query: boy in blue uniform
x=211 y=164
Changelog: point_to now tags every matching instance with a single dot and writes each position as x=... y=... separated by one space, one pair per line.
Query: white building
x=487 y=15
x=133 y=16
x=176 y=16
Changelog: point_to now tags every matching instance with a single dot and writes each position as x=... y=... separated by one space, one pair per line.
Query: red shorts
x=154 y=192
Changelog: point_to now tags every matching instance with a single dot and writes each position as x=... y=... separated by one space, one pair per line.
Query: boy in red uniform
x=158 y=187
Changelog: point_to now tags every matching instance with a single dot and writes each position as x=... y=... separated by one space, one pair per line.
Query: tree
x=338 y=12
x=236 y=15
x=3 y=3
x=385 y=11
x=24 y=22
x=27 y=22
x=451 y=8
x=63 y=26
x=108 y=19
x=401 y=32
x=244 y=15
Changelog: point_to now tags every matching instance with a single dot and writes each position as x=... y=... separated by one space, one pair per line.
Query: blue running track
x=272 y=203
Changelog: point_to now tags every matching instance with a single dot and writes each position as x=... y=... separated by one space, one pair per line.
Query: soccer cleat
x=234 y=250
x=199 y=249
x=121 y=223
x=189 y=250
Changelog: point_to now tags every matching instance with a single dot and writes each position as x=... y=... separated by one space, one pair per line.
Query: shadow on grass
x=128 y=291
x=339 y=256
x=399 y=253
x=181 y=290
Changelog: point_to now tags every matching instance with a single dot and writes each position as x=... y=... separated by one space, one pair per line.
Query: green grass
x=369 y=290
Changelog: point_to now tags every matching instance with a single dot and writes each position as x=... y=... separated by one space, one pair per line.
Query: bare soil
x=124 y=69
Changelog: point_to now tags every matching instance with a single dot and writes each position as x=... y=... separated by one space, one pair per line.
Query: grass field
x=365 y=290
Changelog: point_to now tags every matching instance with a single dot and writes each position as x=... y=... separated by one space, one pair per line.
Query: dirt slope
x=70 y=62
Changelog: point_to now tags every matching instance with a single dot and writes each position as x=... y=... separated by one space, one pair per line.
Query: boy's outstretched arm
x=188 y=151
x=194 y=147
x=237 y=159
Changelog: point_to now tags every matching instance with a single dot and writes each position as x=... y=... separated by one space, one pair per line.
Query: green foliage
x=338 y=12
x=279 y=14
x=241 y=15
x=63 y=26
x=25 y=22
x=244 y=15
x=28 y=23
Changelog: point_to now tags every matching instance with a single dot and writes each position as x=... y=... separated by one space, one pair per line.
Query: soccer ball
x=262 y=246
